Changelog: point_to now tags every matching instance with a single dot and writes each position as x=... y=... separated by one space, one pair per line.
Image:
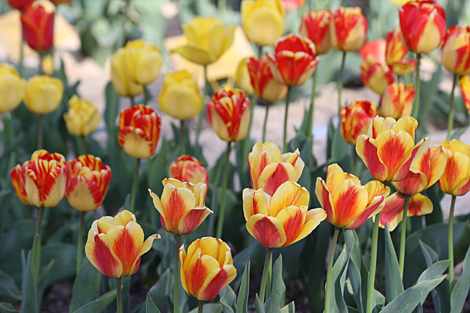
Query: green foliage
x=460 y=291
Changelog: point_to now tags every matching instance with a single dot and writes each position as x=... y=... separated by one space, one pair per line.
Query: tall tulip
x=12 y=88
x=376 y=76
x=395 y=52
x=38 y=28
x=189 y=169
x=397 y=100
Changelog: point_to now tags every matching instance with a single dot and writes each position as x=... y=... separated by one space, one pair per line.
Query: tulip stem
x=264 y=278
x=340 y=81
x=330 y=266
x=284 y=149
x=80 y=241
x=418 y=82
x=220 y=222
x=451 y=244
x=40 y=131
x=373 y=264
x=260 y=52
x=403 y=235
x=82 y=145
x=200 y=308
x=201 y=114
x=265 y=121
x=177 y=273
x=36 y=254
x=146 y=96
x=354 y=162
x=118 y=295
x=312 y=107
x=253 y=101
x=132 y=101
x=451 y=109
x=134 y=186
x=20 y=63
x=183 y=148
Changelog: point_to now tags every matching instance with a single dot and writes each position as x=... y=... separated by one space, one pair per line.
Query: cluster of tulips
x=276 y=207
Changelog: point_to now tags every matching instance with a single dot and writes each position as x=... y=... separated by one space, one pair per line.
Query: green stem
x=265 y=121
x=284 y=149
x=40 y=131
x=118 y=295
x=373 y=264
x=260 y=52
x=340 y=81
x=403 y=234
x=200 y=308
x=312 y=106
x=220 y=222
x=146 y=96
x=451 y=244
x=418 y=82
x=80 y=241
x=20 y=63
x=269 y=280
x=328 y=273
x=134 y=186
x=253 y=100
x=177 y=273
x=354 y=162
x=451 y=109
x=132 y=101
x=264 y=277
x=36 y=254
x=183 y=148
x=201 y=114
x=82 y=145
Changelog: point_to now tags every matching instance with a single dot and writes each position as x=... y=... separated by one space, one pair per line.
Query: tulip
x=12 y=88
x=263 y=21
x=38 y=28
x=180 y=97
x=388 y=149
x=20 y=4
x=454 y=53
x=82 y=118
x=356 y=118
x=242 y=76
x=208 y=39
x=120 y=76
x=376 y=76
x=262 y=80
x=392 y=213
x=206 y=268
x=143 y=61
x=375 y=49
x=397 y=100
x=348 y=29
x=395 y=52
x=269 y=169
x=43 y=94
x=189 y=169
x=315 y=25
x=464 y=84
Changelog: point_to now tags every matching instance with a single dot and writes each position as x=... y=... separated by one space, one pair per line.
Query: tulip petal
x=367 y=150
x=255 y=202
x=216 y=281
x=375 y=189
x=418 y=149
x=335 y=176
x=176 y=202
x=18 y=182
x=83 y=194
x=192 y=219
x=288 y=194
x=464 y=84
x=198 y=270
x=312 y=220
x=100 y=253
x=374 y=207
x=292 y=219
x=267 y=230
x=437 y=164
x=323 y=195
x=195 y=53
x=456 y=174
x=123 y=218
x=349 y=201
x=274 y=175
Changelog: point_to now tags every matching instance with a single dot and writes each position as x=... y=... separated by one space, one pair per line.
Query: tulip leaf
x=209 y=308
x=28 y=286
x=150 y=306
x=338 y=278
x=460 y=291
x=258 y=305
x=393 y=281
x=434 y=270
x=273 y=304
x=7 y=308
x=227 y=299
x=159 y=292
x=86 y=285
x=243 y=292
x=459 y=132
x=357 y=270
x=8 y=288
x=290 y=308
x=99 y=304
x=65 y=258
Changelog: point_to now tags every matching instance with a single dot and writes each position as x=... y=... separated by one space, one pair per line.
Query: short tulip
x=180 y=97
x=115 y=245
x=269 y=168
x=120 y=76
x=189 y=169
x=88 y=183
x=208 y=39
x=139 y=131
x=388 y=149
x=280 y=220
x=347 y=203
x=356 y=118
x=43 y=94
x=263 y=82
x=348 y=28
x=206 y=268
x=12 y=88
x=82 y=118
x=464 y=83
x=143 y=61
x=423 y=25
x=38 y=28
x=397 y=100
x=376 y=76
x=20 y=4
x=456 y=178
x=181 y=206
x=395 y=51
x=263 y=20
x=294 y=60
x=315 y=25
x=242 y=76
x=229 y=114
x=41 y=181
x=455 y=52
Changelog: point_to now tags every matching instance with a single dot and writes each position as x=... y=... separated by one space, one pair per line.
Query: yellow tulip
x=180 y=97
x=11 y=88
x=143 y=61
x=120 y=76
x=43 y=94
x=82 y=118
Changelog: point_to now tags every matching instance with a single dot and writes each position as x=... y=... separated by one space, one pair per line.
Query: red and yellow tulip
x=348 y=28
x=456 y=178
x=395 y=52
x=269 y=168
x=455 y=52
x=206 y=268
x=189 y=169
x=282 y=219
x=41 y=181
x=262 y=80
x=397 y=100
x=89 y=180
x=356 y=118
x=181 y=206
x=139 y=131
x=115 y=245
x=376 y=76
x=374 y=48
x=346 y=202
x=315 y=25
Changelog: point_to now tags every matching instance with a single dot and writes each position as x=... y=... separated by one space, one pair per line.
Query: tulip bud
x=315 y=25
x=120 y=76
x=263 y=82
x=356 y=118
x=143 y=60
x=397 y=100
x=82 y=118
x=376 y=76
x=11 y=88
x=263 y=21
x=348 y=29
x=43 y=94
x=455 y=54
x=38 y=28
x=242 y=77
x=180 y=97
x=20 y=4
x=189 y=169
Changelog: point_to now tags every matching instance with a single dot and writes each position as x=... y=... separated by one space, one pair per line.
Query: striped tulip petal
x=192 y=219
x=351 y=199
x=267 y=230
x=288 y=194
x=323 y=195
x=418 y=149
x=367 y=150
x=312 y=220
x=292 y=219
x=464 y=84
x=456 y=177
x=216 y=281
x=274 y=175
x=100 y=253
x=255 y=202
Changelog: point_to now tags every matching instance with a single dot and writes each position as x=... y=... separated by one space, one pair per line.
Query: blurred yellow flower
x=43 y=94
x=143 y=61
x=82 y=118
x=11 y=88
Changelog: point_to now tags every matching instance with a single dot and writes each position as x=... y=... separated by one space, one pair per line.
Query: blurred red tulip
x=38 y=28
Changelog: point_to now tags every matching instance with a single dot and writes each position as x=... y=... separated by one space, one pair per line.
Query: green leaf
x=99 y=304
x=434 y=270
x=338 y=278
x=290 y=308
x=460 y=291
x=357 y=270
x=8 y=288
x=258 y=305
x=28 y=286
x=273 y=304
x=150 y=306
x=459 y=132
x=394 y=285
x=159 y=292
x=210 y=308
x=407 y=301
x=227 y=299
x=86 y=285
x=243 y=292
x=7 y=308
